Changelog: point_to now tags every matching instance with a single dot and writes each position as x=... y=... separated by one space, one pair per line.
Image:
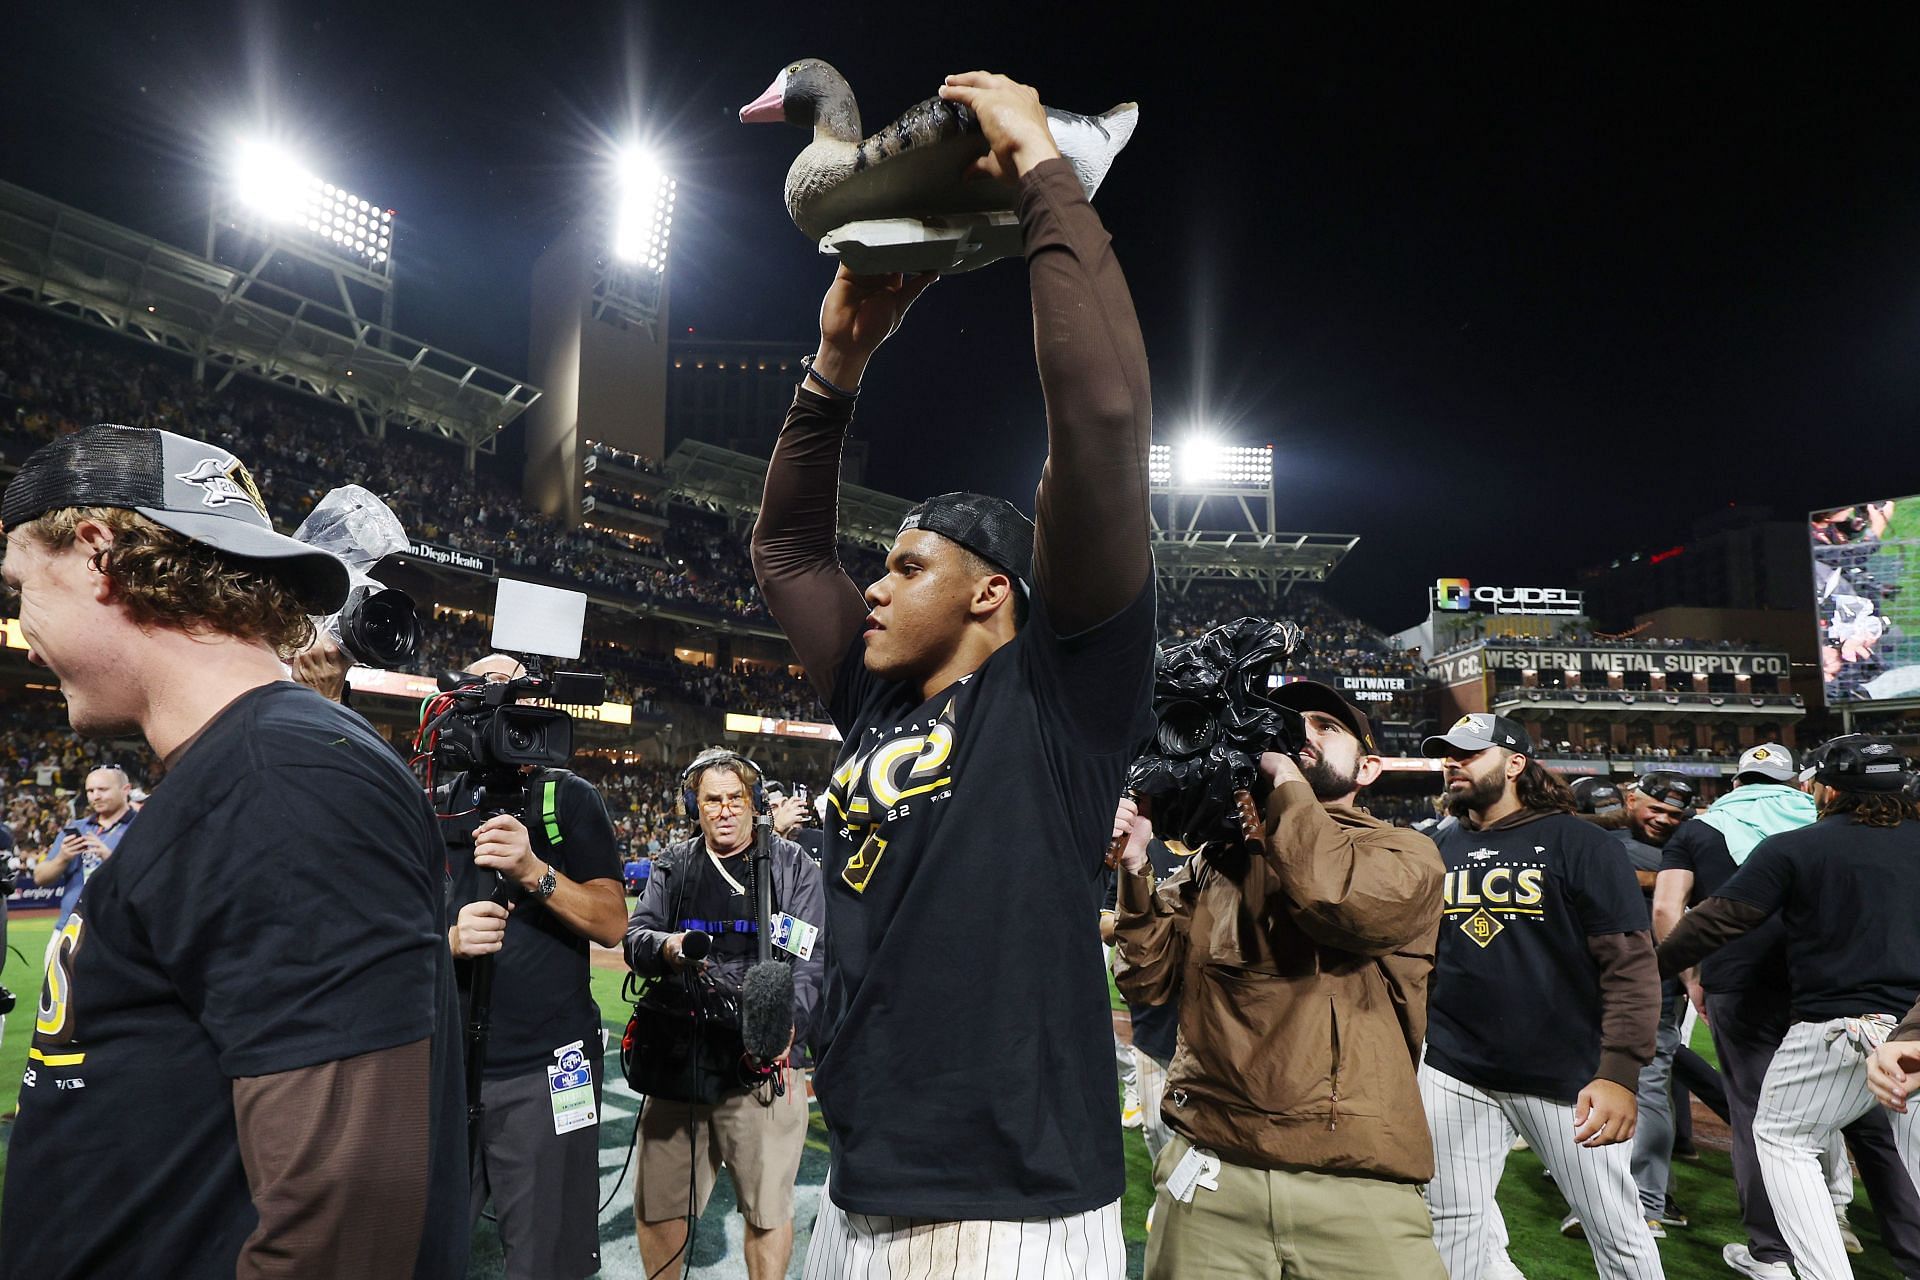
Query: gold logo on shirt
x=860 y=866
x=1481 y=927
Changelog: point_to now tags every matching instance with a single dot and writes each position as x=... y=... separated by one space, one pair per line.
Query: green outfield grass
x=1532 y=1206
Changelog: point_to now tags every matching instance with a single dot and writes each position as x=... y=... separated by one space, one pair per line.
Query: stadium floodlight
x=643 y=218
x=276 y=186
x=1202 y=462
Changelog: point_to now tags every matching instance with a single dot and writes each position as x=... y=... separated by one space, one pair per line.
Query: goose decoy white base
x=881 y=246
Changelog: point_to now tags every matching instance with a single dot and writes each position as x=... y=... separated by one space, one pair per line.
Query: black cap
x=1311 y=695
x=1476 y=731
x=198 y=490
x=992 y=528
x=1667 y=787
x=1858 y=762
x=1594 y=795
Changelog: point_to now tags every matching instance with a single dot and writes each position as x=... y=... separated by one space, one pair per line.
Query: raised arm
x=1370 y=891
x=1090 y=556
x=795 y=554
x=1150 y=924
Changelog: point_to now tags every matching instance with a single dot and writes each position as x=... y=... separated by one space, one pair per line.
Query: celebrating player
x=1845 y=889
x=990 y=689
x=1544 y=1004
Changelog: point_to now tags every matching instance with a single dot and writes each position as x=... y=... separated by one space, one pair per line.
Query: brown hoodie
x=1302 y=989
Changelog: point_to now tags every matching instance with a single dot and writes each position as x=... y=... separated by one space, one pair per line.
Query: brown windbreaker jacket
x=1302 y=990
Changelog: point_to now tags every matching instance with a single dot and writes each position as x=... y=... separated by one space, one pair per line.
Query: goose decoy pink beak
x=770 y=107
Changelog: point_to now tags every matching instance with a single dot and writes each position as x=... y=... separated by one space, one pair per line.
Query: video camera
x=486 y=729
x=1215 y=715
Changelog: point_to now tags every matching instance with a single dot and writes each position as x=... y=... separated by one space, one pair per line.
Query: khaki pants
x=682 y=1148
x=1289 y=1225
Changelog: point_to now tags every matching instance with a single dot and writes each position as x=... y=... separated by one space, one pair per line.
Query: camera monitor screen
x=1866 y=586
x=530 y=618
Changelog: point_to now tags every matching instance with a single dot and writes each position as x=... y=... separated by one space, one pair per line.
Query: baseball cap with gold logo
x=198 y=490
x=1769 y=760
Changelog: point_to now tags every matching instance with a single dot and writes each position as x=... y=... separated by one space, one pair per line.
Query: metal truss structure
x=233 y=321
x=628 y=292
x=1219 y=527
x=730 y=484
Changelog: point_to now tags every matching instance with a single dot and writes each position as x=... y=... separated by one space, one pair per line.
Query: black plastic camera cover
x=1212 y=701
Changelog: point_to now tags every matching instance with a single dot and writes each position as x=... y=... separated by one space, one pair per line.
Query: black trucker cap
x=992 y=528
x=198 y=490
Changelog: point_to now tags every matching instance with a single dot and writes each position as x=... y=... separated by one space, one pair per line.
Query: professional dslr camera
x=377 y=625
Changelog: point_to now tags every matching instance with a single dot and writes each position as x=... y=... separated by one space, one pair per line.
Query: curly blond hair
x=168 y=580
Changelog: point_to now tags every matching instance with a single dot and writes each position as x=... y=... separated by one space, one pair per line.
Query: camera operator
x=245 y=1061
x=1302 y=1006
x=84 y=846
x=703 y=884
x=561 y=873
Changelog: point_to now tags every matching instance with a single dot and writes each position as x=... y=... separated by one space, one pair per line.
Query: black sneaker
x=7 y=1001
x=1673 y=1215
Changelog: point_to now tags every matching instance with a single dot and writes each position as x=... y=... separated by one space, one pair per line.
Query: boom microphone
x=766 y=1010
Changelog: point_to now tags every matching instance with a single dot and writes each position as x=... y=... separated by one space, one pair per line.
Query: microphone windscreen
x=696 y=945
x=766 y=1009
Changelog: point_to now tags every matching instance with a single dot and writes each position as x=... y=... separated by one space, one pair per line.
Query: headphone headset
x=690 y=779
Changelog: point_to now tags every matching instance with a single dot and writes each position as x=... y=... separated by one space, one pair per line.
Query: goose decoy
x=900 y=200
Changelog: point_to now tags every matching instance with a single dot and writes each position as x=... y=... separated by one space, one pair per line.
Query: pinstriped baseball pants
x=1816 y=1083
x=1473 y=1131
x=1082 y=1246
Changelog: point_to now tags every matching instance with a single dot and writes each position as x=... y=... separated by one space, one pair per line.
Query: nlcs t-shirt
x=967 y=1063
x=279 y=904
x=1849 y=895
x=1516 y=993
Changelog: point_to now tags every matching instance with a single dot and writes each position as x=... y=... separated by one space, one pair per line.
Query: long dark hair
x=1540 y=789
x=1872 y=808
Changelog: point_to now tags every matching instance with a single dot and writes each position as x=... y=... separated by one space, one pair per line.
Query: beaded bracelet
x=806 y=363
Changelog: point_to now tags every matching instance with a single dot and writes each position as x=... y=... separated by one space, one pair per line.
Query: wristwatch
x=543 y=887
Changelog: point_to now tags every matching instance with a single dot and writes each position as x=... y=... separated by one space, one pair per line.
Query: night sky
x=1511 y=291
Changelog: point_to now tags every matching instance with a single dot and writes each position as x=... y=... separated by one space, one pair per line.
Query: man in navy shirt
x=1544 y=1004
x=1845 y=891
x=85 y=844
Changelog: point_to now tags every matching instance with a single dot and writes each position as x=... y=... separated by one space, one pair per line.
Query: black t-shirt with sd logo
x=1516 y=994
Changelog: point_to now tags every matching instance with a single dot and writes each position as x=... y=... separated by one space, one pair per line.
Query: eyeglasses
x=724 y=804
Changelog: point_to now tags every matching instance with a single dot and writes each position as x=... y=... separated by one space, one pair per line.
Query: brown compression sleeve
x=1090 y=557
x=336 y=1156
x=796 y=558
x=1629 y=1004
x=1704 y=930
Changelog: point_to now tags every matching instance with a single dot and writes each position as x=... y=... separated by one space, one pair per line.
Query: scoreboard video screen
x=1866 y=584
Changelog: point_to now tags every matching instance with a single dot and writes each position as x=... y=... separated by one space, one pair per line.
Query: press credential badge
x=794 y=936
x=570 y=1085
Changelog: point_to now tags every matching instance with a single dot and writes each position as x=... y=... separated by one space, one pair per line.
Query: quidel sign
x=1458 y=595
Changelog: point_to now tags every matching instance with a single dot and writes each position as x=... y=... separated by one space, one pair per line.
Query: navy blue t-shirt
x=279 y=904
x=1849 y=895
x=965 y=844
x=1755 y=963
x=1516 y=992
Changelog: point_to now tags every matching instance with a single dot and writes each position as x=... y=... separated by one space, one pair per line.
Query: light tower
x=599 y=334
